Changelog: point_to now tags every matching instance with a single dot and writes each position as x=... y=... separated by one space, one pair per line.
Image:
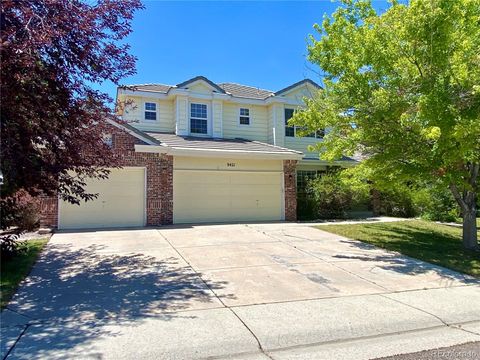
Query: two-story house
x=201 y=152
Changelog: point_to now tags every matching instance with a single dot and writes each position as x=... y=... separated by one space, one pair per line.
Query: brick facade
x=289 y=169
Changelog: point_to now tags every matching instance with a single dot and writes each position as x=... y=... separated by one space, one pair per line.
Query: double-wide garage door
x=219 y=196
x=121 y=202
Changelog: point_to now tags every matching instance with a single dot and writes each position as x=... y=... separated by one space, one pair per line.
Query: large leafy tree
x=403 y=88
x=53 y=122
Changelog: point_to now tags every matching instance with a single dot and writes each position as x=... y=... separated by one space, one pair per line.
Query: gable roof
x=297 y=84
x=201 y=78
x=233 y=89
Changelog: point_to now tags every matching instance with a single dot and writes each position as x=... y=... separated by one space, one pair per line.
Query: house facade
x=197 y=152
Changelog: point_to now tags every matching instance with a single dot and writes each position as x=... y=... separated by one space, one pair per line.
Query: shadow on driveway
x=89 y=289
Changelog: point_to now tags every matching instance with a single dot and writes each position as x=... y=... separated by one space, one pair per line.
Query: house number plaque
x=230 y=164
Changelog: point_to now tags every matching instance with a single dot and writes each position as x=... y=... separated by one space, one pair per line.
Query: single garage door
x=121 y=202
x=221 y=196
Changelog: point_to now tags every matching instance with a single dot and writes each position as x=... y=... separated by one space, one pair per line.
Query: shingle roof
x=161 y=88
x=191 y=142
x=245 y=91
x=237 y=90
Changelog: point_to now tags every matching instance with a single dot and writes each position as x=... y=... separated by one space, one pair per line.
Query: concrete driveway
x=251 y=291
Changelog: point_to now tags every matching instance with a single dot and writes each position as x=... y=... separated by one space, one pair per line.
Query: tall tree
x=52 y=120
x=403 y=88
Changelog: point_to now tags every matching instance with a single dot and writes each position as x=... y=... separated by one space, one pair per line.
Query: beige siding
x=217 y=112
x=279 y=123
x=301 y=144
x=134 y=113
x=270 y=137
x=186 y=162
x=258 y=128
x=200 y=87
x=299 y=93
x=181 y=107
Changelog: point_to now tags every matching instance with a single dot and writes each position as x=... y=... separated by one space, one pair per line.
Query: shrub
x=434 y=202
x=331 y=196
x=19 y=213
x=396 y=202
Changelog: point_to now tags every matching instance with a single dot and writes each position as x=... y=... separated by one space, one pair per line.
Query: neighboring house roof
x=245 y=91
x=301 y=82
x=237 y=90
x=191 y=142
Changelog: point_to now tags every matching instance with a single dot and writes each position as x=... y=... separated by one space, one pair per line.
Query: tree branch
x=458 y=197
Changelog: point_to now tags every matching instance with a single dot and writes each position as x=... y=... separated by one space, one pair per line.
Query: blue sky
x=263 y=44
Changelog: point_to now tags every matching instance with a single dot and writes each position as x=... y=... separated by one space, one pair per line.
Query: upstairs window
x=244 y=116
x=291 y=131
x=198 y=119
x=150 y=111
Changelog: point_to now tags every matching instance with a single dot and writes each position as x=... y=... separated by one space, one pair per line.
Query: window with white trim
x=150 y=111
x=244 y=116
x=291 y=131
x=198 y=118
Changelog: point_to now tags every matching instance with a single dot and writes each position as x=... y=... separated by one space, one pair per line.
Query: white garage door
x=121 y=202
x=222 y=196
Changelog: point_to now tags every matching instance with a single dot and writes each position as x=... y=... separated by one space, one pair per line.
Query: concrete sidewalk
x=254 y=291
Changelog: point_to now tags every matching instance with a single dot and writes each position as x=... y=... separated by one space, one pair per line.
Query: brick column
x=166 y=189
x=289 y=168
x=49 y=211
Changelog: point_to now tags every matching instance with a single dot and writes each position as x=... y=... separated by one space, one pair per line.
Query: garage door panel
x=121 y=202
x=215 y=196
x=256 y=179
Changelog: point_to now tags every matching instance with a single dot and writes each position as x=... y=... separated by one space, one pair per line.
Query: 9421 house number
x=230 y=164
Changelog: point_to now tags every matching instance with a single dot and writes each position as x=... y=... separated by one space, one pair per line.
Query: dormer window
x=244 y=116
x=150 y=111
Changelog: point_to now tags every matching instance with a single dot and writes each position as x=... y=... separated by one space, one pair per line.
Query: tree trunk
x=470 y=238
x=467 y=202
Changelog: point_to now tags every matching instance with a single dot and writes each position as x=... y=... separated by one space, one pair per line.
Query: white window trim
x=145 y=110
x=295 y=129
x=208 y=118
x=240 y=115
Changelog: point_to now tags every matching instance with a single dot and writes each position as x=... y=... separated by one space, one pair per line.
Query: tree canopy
x=403 y=89
x=52 y=120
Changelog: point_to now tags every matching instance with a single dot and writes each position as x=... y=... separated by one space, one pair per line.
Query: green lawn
x=424 y=240
x=14 y=270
